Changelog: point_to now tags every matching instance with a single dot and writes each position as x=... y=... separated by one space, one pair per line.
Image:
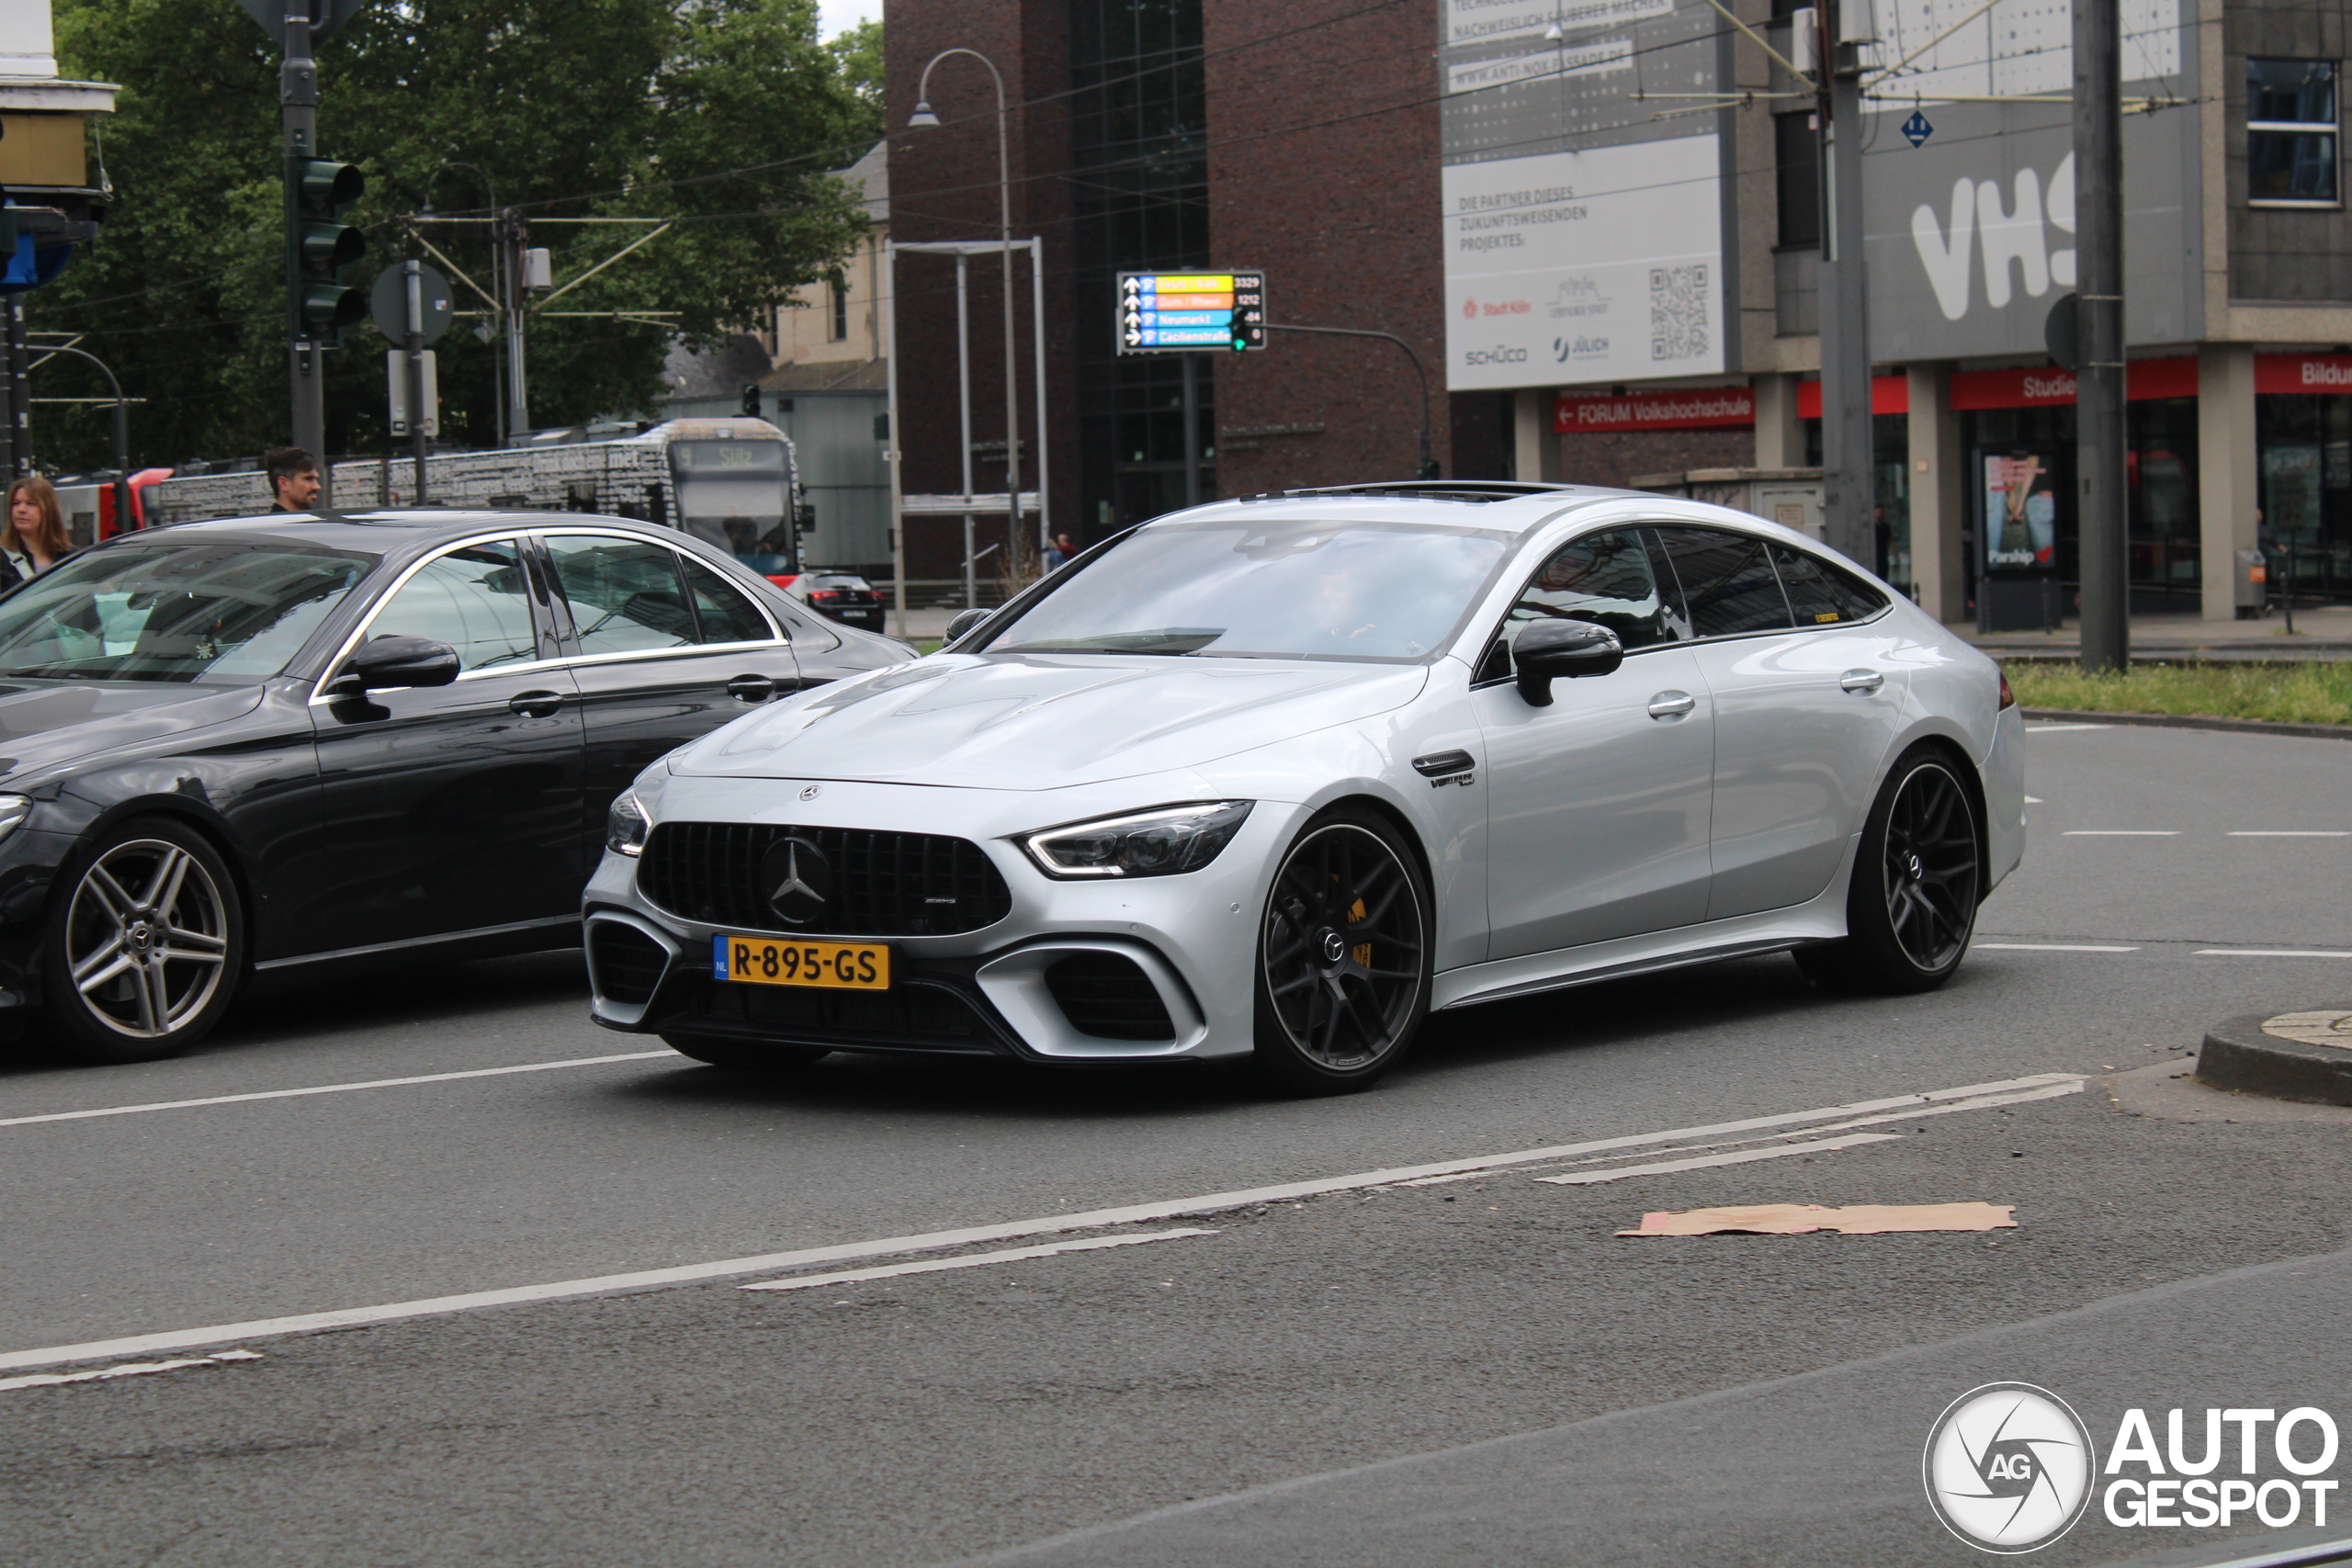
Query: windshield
x=224 y=612
x=1285 y=590
x=731 y=494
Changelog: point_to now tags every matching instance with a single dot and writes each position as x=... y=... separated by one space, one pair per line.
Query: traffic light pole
x=2099 y=456
x=298 y=97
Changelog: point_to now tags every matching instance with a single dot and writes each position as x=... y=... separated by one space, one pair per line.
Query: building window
x=2290 y=132
x=1797 y=150
x=837 y=330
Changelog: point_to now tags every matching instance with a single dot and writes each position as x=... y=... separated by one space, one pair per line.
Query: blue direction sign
x=1917 y=129
x=1168 y=312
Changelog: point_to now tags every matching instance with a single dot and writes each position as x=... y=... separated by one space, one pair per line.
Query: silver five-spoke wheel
x=147 y=948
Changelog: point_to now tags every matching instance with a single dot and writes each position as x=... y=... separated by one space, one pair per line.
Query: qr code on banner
x=1677 y=313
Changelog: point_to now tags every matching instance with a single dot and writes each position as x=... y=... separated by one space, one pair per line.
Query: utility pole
x=1849 y=490
x=510 y=251
x=2099 y=436
x=413 y=283
x=298 y=98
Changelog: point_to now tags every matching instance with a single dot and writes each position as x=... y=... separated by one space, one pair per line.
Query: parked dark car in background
x=271 y=743
x=839 y=595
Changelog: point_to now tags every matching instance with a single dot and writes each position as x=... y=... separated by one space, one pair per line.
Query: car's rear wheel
x=1343 y=957
x=744 y=1056
x=1918 y=872
x=144 y=952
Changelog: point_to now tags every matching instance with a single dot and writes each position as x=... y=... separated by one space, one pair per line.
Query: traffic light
x=751 y=400
x=319 y=245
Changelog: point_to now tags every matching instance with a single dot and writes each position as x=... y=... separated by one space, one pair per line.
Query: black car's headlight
x=626 y=826
x=13 y=810
x=1160 y=842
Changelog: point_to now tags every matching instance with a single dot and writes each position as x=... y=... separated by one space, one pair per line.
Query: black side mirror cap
x=1562 y=651
x=395 y=660
x=964 y=622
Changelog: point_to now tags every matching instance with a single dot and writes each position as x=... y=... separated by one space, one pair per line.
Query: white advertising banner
x=1598 y=265
x=1484 y=21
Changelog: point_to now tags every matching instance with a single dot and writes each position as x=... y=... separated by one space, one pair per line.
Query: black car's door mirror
x=1562 y=651
x=395 y=660
x=965 y=621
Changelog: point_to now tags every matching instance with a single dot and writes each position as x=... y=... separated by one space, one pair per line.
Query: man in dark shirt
x=293 y=479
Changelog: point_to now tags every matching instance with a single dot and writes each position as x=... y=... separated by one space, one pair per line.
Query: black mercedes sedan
x=260 y=744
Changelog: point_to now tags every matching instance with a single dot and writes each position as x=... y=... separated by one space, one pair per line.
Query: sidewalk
x=2321 y=633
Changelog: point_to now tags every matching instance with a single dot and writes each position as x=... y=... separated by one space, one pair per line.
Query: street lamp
x=924 y=119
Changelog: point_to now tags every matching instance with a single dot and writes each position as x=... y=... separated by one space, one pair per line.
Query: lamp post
x=922 y=120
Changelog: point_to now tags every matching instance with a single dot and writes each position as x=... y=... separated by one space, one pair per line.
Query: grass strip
x=2312 y=692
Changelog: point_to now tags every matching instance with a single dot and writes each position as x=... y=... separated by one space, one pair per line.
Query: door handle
x=1861 y=681
x=535 y=704
x=751 y=688
x=1672 y=704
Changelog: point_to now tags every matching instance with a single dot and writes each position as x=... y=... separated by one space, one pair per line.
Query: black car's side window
x=1820 y=594
x=476 y=598
x=726 y=615
x=1727 y=582
x=625 y=594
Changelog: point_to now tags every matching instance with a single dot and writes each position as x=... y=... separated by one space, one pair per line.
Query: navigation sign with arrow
x=1917 y=129
x=1166 y=313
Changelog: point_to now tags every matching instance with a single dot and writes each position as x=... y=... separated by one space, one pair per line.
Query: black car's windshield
x=211 y=611
x=1292 y=589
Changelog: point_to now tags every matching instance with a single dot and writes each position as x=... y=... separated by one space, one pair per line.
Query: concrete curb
x=2238 y=1055
x=2195 y=721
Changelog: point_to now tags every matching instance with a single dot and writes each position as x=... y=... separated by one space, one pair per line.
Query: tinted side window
x=476 y=600
x=624 y=594
x=1819 y=594
x=1601 y=578
x=725 y=614
x=1727 y=581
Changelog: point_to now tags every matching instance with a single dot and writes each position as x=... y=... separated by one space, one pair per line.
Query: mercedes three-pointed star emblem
x=799 y=880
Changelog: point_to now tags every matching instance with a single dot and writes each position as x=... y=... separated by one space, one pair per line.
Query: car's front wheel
x=1918 y=872
x=145 y=950
x=1344 y=956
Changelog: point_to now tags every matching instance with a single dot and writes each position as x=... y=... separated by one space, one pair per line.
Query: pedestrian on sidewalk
x=293 y=479
x=33 y=538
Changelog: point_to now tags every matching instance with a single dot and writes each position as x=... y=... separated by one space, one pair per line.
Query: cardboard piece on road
x=1856 y=1219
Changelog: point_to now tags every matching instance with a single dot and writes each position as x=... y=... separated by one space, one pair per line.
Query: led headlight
x=13 y=810
x=626 y=826
x=1160 y=842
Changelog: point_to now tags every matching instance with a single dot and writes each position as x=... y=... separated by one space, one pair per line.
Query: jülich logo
x=2008 y=1468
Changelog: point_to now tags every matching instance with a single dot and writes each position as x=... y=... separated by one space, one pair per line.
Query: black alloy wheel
x=145 y=946
x=1918 y=874
x=744 y=1056
x=1343 y=957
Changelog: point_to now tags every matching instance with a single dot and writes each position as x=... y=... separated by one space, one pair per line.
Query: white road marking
x=938 y=1265
x=2121 y=833
x=940 y=1241
x=1738 y=1156
x=2054 y=729
x=2044 y=947
x=2266 y=952
x=127 y=1370
x=2290 y=833
x=330 y=1088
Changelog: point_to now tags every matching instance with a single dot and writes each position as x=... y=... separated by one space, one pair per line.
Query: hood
x=42 y=725
x=1043 y=721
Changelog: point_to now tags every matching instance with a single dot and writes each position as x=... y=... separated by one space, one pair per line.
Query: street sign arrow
x=1134 y=338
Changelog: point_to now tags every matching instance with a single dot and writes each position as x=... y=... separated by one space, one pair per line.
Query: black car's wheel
x=742 y=1056
x=1918 y=876
x=145 y=945
x=1343 y=957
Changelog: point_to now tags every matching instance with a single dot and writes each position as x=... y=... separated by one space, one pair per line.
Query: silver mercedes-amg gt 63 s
x=1273 y=778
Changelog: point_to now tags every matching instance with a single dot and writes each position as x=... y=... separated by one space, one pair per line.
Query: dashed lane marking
x=328 y=1088
x=2290 y=833
x=942 y=1241
x=2045 y=947
x=2056 y=728
x=2267 y=953
x=940 y=1265
x=1736 y=1156
x=2121 y=833
x=126 y=1369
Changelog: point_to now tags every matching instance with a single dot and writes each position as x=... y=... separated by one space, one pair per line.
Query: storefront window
x=2306 y=443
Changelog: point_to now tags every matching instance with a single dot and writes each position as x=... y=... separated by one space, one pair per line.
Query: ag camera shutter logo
x=2008 y=1468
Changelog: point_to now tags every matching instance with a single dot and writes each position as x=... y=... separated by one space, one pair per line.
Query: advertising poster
x=2020 y=514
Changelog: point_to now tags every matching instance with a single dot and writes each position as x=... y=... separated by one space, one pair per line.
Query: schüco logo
x=2008 y=1468
x=1498 y=354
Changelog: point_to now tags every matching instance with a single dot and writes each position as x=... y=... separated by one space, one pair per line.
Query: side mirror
x=395 y=661
x=964 y=622
x=1562 y=651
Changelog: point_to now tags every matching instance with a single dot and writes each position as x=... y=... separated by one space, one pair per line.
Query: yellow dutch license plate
x=767 y=961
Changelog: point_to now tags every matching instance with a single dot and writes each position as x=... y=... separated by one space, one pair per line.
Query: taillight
x=2008 y=698
x=829 y=593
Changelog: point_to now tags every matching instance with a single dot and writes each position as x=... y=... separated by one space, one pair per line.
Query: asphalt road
x=928 y=1417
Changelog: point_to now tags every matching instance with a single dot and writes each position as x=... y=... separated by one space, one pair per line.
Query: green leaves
x=720 y=115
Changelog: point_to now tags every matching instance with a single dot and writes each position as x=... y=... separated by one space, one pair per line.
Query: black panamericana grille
x=883 y=883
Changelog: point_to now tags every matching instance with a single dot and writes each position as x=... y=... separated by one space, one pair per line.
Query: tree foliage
x=720 y=115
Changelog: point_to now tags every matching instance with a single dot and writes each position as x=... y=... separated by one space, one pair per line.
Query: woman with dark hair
x=33 y=538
